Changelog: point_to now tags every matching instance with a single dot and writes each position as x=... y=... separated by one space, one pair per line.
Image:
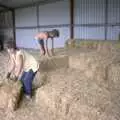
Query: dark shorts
x=41 y=42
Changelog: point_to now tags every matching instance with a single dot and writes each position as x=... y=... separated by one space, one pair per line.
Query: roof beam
x=6 y=7
x=42 y=2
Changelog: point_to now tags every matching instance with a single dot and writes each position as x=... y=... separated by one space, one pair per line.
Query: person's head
x=11 y=47
x=56 y=32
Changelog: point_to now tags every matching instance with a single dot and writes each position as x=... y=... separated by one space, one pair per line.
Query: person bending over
x=24 y=67
x=44 y=36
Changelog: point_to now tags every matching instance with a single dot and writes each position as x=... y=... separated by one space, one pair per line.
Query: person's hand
x=15 y=78
x=8 y=75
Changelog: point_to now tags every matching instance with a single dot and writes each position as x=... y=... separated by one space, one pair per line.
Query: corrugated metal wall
x=97 y=19
x=54 y=15
x=6 y=25
x=26 y=18
x=93 y=19
x=113 y=18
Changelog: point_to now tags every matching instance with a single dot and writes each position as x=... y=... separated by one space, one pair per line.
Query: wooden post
x=14 y=29
x=71 y=19
x=37 y=15
x=106 y=19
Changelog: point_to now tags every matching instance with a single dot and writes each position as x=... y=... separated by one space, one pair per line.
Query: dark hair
x=56 y=32
x=11 y=44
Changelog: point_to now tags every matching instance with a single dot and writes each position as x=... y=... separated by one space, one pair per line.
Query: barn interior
x=81 y=81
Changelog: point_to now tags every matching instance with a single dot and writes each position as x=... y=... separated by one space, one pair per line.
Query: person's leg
x=52 y=48
x=2 y=45
x=28 y=82
x=22 y=80
x=42 y=48
x=47 y=51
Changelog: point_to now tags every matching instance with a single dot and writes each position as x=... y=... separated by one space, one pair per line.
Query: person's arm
x=19 y=65
x=12 y=65
x=36 y=37
x=11 y=68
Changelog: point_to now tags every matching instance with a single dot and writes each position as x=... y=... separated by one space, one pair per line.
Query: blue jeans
x=27 y=78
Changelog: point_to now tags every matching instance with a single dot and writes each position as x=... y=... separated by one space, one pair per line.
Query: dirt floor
x=73 y=93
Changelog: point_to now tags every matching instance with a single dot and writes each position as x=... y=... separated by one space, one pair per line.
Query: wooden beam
x=14 y=28
x=106 y=19
x=44 y=26
x=6 y=7
x=42 y=2
x=4 y=10
x=71 y=19
x=37 y=15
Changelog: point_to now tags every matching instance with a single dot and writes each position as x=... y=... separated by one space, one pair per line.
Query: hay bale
x=40 y=79
x=53 y=63
x=106 y=47
x=70 y=43
x=119 y=37
x=98 y=45
x=49 y=96
x=10 y=95
x=70 y=95
x=88 y=44
x=92 y=64
x=114 y=76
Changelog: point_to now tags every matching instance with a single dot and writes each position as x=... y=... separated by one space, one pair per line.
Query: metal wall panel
x=96 y=33
x=113 y=11
x=26 y=17
x=25 y=38
x=89 y=11
x=6 y=19
x=103 y=14
x=7 y=33
x=6 y=25
x=49 y=15
x=113 y=33
x=54 y=13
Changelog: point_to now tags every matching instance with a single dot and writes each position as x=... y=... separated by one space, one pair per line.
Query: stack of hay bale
x=86 y=90
x=97 y=45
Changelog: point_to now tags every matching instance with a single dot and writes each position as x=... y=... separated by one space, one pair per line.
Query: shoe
x=28 y=97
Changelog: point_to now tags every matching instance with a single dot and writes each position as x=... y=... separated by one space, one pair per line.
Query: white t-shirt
x=29 y=62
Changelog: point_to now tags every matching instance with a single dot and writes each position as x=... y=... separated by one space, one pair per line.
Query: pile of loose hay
x=10 y=94
x=52 y=63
